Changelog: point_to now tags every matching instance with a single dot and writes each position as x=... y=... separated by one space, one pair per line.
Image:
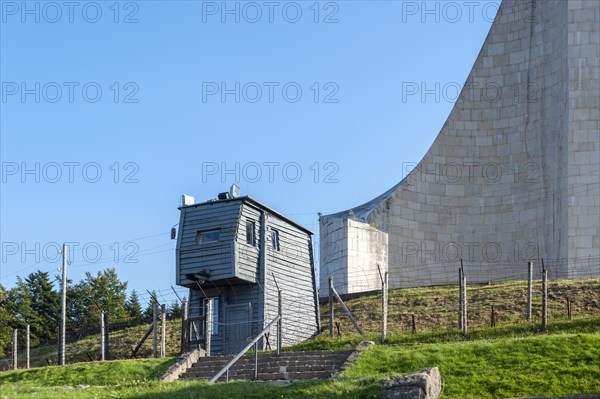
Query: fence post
x=102 y=344
x=460 y=297
x=15 y=358
x=384 y=298
x=414 y=324
x=569 y=314
x=529 y=289
x=163 y=330
x=154 y=324
x=384 y=303
x=493 y=318
x=27 y=346
x=464 y=307
x=184 y=317
x=544 y=298
x=331 y=315
x=106 y=337
x=280 y=321
x=208 y=326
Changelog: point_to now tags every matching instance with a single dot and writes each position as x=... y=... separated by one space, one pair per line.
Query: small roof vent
x=187 y=200
x=234 y=191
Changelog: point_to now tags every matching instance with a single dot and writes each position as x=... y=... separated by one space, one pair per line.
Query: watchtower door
x=238 y=328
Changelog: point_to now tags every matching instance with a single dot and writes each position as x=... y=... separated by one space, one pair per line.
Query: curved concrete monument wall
x=514 y=174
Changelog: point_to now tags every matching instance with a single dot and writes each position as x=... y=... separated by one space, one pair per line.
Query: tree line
x=36 y=300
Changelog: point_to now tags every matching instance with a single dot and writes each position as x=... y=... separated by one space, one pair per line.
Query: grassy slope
x=555 y=364
x=436 y=308
x=121 y=342
x=546 y=365
x=509 y=360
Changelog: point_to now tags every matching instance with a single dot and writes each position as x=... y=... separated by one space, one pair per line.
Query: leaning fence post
x=544 y=297
x=27 y=346
x=529 y=289
x=102 y=344
x=331 y=315
x=15 y=358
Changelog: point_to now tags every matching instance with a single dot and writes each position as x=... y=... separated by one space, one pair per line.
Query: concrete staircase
x=289 y=366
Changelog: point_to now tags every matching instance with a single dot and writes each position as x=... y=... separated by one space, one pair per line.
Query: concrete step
x=287 y=366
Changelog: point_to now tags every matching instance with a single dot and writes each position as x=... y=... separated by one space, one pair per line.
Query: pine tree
x=45 y=305
x=149 y=310
x=133 y=306
x=174 y=311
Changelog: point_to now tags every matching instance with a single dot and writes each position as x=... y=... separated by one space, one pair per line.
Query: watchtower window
x=203 y=237
x=250 y=228
x=275 y=239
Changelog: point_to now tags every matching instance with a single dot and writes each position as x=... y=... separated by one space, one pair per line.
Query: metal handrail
x=246 y=349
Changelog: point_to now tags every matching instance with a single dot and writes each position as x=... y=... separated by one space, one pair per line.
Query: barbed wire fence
x=121 y=337
x=495 y=297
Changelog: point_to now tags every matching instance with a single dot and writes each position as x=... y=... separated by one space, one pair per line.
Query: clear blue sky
x=160 y=126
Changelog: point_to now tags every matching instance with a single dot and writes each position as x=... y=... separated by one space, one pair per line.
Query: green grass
x=510 y=360
x=547 y=365
x=554 y=365
x=582 y=326
x=91 y=373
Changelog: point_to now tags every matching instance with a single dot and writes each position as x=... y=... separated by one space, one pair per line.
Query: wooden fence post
x=27 y=346
x=529 y=289
x=154 y=325
x=106 y=337
x=163 y=330
x=493 y=317
x=184 y=329
x=347 y=311
x=384 y=303
x=208 y=326
x=464 y=306
x=569 y=314
x=102 y=344
x=331 y=315
x=460 y=297
x=15 y=357
x=280 y=321
x=544 y=297
x=414 y=324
